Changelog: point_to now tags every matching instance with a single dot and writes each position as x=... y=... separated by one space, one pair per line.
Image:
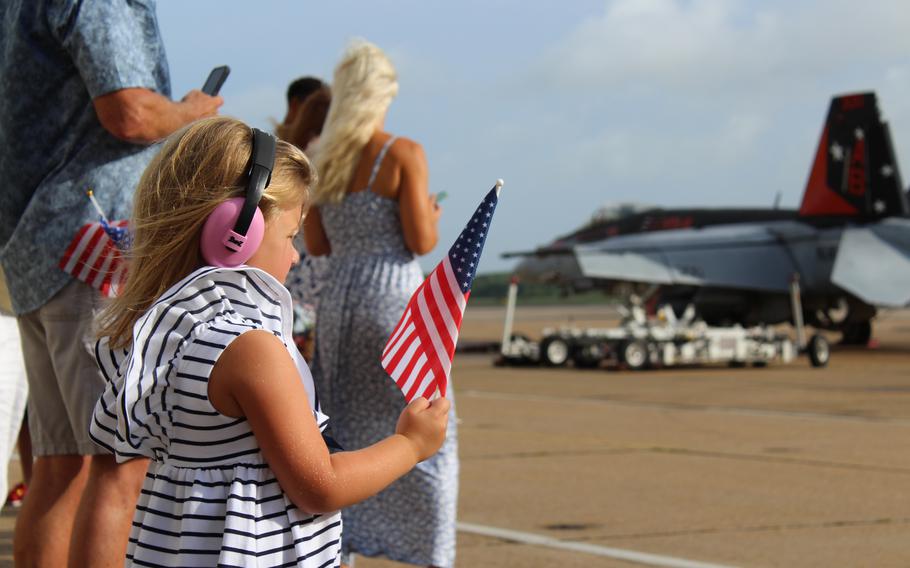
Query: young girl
x=204 y=378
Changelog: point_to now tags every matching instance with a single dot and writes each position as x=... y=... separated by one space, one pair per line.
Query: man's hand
x=200 y=105
x=143 y=116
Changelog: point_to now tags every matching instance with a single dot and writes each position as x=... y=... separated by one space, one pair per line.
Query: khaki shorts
x=63 y=379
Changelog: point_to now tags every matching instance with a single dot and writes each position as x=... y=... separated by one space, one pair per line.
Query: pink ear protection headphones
x=234 y=230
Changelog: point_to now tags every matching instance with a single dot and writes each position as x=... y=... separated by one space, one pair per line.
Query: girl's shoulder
x=210 y=294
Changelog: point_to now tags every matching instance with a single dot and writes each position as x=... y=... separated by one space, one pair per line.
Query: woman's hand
x=424 y=423
x=435 y=209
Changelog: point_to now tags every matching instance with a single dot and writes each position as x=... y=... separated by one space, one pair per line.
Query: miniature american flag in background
x=418 y=355
x=95 y=257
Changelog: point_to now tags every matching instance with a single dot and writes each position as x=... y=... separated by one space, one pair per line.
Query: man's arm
x=143 y=116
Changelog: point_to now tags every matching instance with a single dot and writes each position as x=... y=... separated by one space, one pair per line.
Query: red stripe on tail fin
x=819 y=199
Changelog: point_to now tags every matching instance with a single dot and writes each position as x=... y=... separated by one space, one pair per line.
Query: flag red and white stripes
x=95 y=259
x=418 y=355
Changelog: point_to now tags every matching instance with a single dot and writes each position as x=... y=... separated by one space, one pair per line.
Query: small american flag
x=95 y=255
x=418 y=355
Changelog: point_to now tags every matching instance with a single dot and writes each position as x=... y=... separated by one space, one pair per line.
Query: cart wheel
x=819 y=351
x=635 y=355
x=554 y=351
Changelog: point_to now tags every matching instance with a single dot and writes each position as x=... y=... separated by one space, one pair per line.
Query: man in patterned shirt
x=84 y=90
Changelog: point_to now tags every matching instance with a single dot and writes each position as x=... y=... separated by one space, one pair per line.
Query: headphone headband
x=262 y=160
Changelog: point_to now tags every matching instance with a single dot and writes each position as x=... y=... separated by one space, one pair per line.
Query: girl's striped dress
x=209 y=498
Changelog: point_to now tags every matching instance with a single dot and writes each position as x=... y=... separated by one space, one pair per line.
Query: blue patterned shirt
x=55 y=57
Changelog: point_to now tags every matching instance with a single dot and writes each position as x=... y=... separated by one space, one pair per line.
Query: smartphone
x=215 y=80
x=440 y=196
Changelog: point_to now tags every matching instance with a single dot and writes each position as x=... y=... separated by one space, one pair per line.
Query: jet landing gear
x=819 y=351
x=817 y=347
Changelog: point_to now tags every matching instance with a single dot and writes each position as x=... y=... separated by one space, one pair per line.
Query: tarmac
x=691 y=468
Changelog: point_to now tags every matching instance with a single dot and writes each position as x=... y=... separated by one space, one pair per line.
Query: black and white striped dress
x=209 y=498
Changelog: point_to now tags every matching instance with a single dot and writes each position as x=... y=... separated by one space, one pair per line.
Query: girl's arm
x=317 y=243
x=419 y=211
x=255 y=377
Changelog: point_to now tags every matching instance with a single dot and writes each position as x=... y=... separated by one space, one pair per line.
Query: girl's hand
x=424 y=423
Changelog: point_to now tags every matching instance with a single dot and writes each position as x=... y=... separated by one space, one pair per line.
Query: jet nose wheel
x=819 y=351
x=555 y=351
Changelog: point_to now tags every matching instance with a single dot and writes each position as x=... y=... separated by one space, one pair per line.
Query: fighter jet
x=848 y=243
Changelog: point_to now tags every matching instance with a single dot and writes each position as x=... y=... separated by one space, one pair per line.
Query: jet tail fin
x=855 y=171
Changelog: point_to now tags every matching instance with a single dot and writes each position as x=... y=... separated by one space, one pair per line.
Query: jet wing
x=873 y=263
x=743 y=256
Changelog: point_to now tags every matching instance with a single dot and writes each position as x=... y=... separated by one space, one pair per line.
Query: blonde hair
x=363 y=87
x=197 y=168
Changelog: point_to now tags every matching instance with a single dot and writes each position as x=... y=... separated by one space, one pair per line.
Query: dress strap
x=378 y=162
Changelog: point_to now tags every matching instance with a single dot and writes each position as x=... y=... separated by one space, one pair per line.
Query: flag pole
x=91 y=196
x=499 y=183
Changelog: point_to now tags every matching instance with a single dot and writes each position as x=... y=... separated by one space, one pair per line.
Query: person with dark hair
x=305 y=127
x=306 y=277
x=298 y=92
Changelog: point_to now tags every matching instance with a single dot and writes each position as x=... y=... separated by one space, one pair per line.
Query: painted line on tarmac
x=689 y=408
x=575 y=546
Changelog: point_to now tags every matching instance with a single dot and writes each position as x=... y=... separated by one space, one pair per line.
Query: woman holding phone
x=373 y=215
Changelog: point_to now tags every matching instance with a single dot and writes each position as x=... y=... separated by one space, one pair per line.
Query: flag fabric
x=418 y=355
x=95 y=255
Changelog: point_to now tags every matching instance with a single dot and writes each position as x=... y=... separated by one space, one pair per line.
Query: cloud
x=713 y=101
x=726 y=44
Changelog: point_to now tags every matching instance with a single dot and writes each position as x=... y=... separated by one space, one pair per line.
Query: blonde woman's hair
x=197 y=168
x=363 y=87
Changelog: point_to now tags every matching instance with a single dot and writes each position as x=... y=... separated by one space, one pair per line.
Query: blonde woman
x=373 y=215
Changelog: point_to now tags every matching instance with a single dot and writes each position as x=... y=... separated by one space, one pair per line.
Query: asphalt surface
x=781 y=466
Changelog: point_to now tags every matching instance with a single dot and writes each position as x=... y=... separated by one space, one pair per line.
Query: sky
x=575 y=104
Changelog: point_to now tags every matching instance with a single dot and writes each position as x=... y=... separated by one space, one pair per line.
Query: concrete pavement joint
x=585 y=548
x=557 y=453
x=753 y=529
x=783 y=460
